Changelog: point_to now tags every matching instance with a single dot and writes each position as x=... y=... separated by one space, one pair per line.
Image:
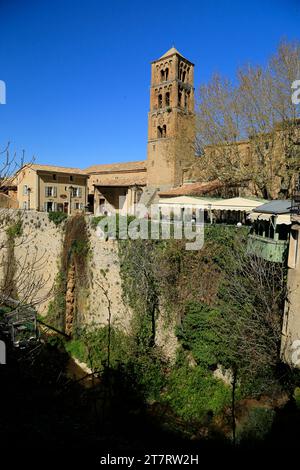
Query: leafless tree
x=22 y=277
x=249 y=131
x=249 y=329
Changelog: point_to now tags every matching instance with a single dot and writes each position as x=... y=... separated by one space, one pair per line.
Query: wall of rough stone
x=105 y=285
x=38 y=253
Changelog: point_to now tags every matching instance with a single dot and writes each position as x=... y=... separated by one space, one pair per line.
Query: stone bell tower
x=171 y=120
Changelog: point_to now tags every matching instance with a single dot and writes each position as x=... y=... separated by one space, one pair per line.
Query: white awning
x=259 y=216
x=284 y=219
x=232 y=204
x=281 y=219
x=236 y=204
x=186 y=201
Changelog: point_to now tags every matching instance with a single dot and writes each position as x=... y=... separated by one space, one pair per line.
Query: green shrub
x=148 y=373
x=145 y=369
x=76 y=348
x=197 y=334
x=92 y=347
x=57 y=217
x=193 y=392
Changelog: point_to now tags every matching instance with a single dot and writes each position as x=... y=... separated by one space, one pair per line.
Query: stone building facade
x=48 y=188
x=116 y=186
x=171 y=119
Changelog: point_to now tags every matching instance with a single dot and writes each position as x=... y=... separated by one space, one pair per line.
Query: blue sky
x=78 y=72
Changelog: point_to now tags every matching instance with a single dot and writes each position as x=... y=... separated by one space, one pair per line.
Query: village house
x=116 y=186
x=51 y=188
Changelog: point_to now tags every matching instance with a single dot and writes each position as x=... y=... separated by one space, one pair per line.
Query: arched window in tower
x=160 y=101
x=179 y=97
x=186 y=100
x=166 y=74
x=161 y=131
x=162 y=75
x=179 y=72
x=168 y=98
x=183 y=75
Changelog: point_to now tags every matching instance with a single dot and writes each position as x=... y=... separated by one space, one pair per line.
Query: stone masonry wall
x=38 y=255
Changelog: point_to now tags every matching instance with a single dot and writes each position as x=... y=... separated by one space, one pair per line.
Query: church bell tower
x=171 y=120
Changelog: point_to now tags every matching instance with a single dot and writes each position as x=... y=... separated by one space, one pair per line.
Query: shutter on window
x=79 y=192
x=45 y=206
x=55 y=206
x=46 y=191
x=24 y=190
x=55 y=191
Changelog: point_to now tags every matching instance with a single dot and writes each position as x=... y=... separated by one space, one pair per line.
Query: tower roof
x=170 y=52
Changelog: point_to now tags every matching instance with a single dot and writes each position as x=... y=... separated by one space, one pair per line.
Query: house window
x=50 y=191
x=162 y=75
x=71 y=177
x=54 y=176
x=166 y=74
x=76 y=192
x=25 y=190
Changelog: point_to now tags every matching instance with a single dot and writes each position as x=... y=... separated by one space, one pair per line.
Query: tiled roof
x=193 y=189
x=119 y=180
x=57 y=169
x=116 y=167
x=170 y=52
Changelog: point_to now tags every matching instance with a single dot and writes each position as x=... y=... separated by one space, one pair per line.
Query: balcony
x=267 y=248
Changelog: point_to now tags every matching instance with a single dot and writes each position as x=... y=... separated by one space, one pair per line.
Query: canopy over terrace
x=277 y=212
x=270 y=232
x=237 y=204
x=219 y=210
x=186 y=201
